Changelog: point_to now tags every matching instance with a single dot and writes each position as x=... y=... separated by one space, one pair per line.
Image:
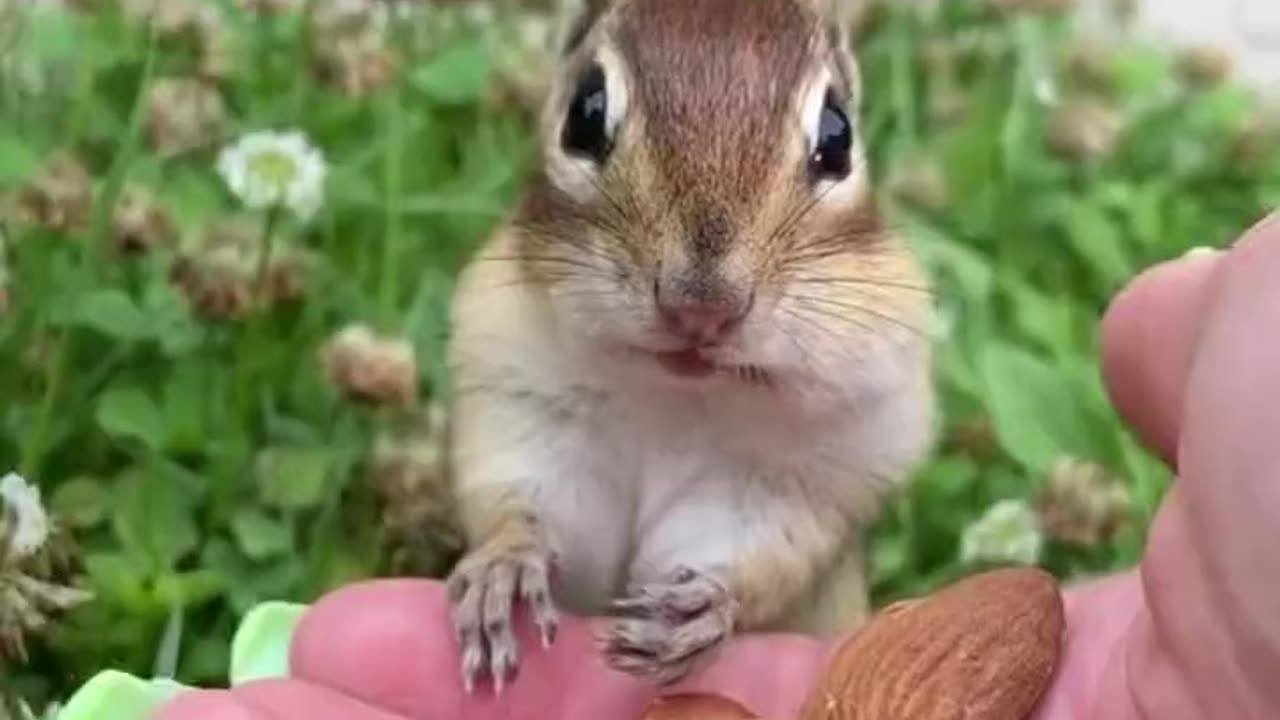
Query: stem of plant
x=105 y=204
x=302 y=85
x=265 y=243
x=393 y=175
x=33 y=448
x=257 y=312
x=903 y=92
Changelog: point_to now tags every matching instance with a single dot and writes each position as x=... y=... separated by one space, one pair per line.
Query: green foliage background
x=146 y=427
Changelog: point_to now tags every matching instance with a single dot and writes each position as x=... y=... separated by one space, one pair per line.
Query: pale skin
x=1191 y=633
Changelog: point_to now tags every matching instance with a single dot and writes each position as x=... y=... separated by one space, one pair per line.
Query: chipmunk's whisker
x=863 y=281
x=846 y=311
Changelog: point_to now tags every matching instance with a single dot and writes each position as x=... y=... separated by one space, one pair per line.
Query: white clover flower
x=1009 y=531
x=22 y=507
x=269 y=168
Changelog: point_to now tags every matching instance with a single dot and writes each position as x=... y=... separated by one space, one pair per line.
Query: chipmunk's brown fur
x=692 y=363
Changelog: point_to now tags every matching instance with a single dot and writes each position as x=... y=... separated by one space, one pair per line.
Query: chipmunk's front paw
x=482 y=591
x=665 y=627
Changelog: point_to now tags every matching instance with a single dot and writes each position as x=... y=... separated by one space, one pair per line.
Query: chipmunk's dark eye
x=835 y=138
x=584 y=131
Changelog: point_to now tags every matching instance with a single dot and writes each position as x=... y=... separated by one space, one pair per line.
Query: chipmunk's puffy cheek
x=573 y=176
x=778 y=336
x=603 y=306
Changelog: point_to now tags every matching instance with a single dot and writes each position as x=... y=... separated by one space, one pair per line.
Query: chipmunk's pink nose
x=706 y=320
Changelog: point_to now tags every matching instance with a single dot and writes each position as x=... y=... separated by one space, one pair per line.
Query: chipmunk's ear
x=581 y=16
x=836 y=10
x=840 y=17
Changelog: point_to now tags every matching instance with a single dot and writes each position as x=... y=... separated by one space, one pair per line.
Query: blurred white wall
x=1248 y=29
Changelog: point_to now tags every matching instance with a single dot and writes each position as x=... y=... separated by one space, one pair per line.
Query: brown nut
x=984 y=648
x=695 y=707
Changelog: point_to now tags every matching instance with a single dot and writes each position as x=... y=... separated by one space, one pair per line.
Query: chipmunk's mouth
x=693 y=364
x=686 y=363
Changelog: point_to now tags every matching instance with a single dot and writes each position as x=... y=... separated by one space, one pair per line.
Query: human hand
x=1192 y=633
x=384 y=650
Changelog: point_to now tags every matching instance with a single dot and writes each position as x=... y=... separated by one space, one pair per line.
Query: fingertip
x=1127 y=321
x=383 y=642
x=1147 y=339
x=380 y=600
x=1267 y=227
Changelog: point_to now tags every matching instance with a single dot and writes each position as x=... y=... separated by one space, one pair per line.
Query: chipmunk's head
x=702 y=200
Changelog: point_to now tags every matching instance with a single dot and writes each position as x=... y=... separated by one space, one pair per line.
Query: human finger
x=270 y=700
x=389 y=643
x=1147 y=346
x=1229 y=469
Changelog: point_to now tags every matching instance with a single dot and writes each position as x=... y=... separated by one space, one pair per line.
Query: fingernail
x=1201 y=251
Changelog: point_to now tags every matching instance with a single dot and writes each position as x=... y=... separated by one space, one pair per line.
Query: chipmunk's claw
x=482 y=591
x=537 y=595
x=666 y=627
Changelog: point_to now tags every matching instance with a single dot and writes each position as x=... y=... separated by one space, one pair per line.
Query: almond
x=696 y=707
x=984 y=648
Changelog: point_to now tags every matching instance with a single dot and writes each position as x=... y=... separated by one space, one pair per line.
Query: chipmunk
x=692 y=362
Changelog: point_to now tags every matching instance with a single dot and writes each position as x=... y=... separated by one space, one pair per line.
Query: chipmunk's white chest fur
x=636 y=473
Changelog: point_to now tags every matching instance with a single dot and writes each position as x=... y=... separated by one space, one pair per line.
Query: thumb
x=1148 y=345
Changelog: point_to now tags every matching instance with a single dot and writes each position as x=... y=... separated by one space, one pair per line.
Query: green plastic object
x=113 y=694
x=259 y=650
